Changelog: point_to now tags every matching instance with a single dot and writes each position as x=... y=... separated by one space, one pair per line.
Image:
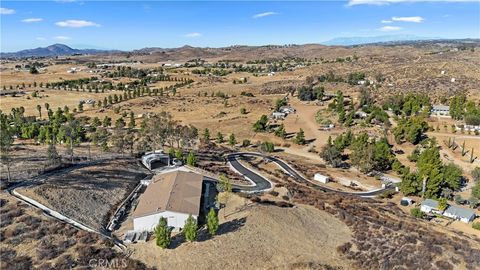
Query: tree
x=6 y=141
x=191 y=159
x=280 y=103
x=410 y=184
x=243 y=110
x=261 y=124
x=442 y=204
x=206 y=135
x=280 y=132
x=331 y=155
x=53 y=156
x=267 y=147
x=190 y=229
x=39 y=109
x=33 y=70
x=72 y=133
x=131 y=123
x=231 y=140
x=162 y=233
x=212 y=222
x=225 y=187
x=219 y=137
x=300 y=137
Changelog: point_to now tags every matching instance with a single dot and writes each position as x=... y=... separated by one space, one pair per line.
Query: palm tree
x=39 y=108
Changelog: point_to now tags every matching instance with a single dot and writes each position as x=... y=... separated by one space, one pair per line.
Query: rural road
x=262 y=184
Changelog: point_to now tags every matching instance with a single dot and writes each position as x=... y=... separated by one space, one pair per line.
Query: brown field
x=88 y=194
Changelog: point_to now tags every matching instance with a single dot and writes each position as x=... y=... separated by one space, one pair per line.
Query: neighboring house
x=173 y=195
x=459 y=213
x=429 y=206
x=278 y=115
x=321 y=178
x=287 y=109
x=155 y=160
x=440 y=110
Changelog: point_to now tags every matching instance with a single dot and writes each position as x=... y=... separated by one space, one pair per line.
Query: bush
x=476 y=225
x=416 y=212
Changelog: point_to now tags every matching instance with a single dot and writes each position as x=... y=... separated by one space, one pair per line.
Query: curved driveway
x=262 y=184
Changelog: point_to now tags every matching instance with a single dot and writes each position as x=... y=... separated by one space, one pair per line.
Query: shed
x=459 y=213
x=321 y=178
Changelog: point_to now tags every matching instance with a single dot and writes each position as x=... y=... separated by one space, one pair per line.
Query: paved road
x=262 y=184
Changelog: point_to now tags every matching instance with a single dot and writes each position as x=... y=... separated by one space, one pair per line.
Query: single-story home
x=429 y=206
x=459 y=213
x=443 y=110
x=173 y=195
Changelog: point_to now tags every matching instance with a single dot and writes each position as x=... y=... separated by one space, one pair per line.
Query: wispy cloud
x=389 y=28
x=414 y=19
x=386 y=2
x=264 y=14
x=76 y=23
x=7 y=11
x=386 y=21
x=61 y=38
x=192 y=35
x=32 y=20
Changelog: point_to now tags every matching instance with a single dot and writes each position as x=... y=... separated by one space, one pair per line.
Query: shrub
x=476 y=225
x=416 y=212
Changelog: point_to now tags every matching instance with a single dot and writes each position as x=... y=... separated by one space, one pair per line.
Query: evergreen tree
x=190 y=229
x=280 y=132
x=163 y=233
x=219 y=137
x=191 y=159
x=212 y=222
x=206 y=135
x=231 y=140
x=300 y=137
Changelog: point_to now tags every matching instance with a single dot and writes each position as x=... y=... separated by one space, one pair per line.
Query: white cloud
x=415 y=19
x=386 y=21
x=386 y=2
x=7 y=11
x=192 y=35
x=41 y=38
x=264 y=14
x=76 y=23
x=32 y=20
x=389 y=28
x=61 y=38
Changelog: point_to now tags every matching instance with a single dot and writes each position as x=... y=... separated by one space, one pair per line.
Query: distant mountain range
x=348 y=41
x=52 y=50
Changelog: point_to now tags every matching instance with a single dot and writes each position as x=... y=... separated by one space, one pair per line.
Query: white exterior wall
x=466 y=220
x=321 y=178
x=148 y=223
x=426 y=209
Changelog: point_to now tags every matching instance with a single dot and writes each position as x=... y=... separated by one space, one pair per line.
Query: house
x=278 y=115
x=156 y=160
x=287 y=109
x=429 y=206
x=459 y=213
x=321 y=178
x=440 y=110
x=174 y=195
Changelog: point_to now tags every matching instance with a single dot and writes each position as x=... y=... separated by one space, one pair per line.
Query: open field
x=88 y=194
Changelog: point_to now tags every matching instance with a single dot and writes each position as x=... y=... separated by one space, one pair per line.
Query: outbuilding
x=321 y=178
x=174 y=195
x=156 y=160
x=459 y=213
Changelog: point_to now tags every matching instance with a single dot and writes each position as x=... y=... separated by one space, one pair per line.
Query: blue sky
x=130 y=25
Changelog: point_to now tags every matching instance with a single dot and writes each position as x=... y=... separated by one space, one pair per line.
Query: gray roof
x=459 y=212
x=440 y=108
x=430 y=203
